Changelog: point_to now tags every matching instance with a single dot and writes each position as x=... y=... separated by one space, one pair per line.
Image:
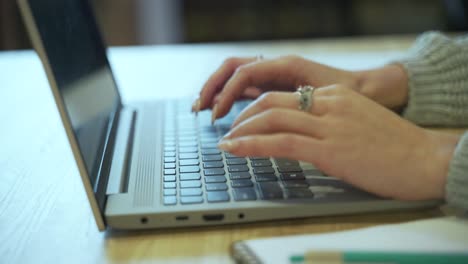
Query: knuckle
x=266 y=100
x=292 y=58
x=272 y=117
x=287 y=144
x=242 y=73
x=230 y=62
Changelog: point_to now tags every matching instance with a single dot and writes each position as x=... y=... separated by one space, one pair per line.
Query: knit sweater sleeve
x=437 y=68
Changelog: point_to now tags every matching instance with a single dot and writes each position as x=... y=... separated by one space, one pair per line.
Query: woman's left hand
x=348 y=136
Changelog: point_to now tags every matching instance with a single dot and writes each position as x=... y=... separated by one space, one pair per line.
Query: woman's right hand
x=249 y=77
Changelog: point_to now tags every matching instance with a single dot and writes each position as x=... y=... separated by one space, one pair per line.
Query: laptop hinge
x=120 y=169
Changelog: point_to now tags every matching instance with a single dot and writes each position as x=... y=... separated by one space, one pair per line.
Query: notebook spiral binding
x=243 y=255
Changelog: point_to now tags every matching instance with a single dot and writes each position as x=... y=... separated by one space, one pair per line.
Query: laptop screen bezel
x=97 y=194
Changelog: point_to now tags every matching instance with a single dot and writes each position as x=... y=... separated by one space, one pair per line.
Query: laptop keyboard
x=196 y=171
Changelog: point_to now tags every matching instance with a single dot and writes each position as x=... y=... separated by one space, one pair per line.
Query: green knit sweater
x=437 y=68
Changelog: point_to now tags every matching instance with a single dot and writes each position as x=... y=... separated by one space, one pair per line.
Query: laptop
x=156 y=165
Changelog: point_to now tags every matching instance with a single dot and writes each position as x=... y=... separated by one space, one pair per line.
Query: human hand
x=249 y=77
x=348 y=136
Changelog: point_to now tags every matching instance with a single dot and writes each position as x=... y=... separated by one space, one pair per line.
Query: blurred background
x=146 y=22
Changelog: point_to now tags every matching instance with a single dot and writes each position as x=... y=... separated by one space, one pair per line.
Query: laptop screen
x=82 y=73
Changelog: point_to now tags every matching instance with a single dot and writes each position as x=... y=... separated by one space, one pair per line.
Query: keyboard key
x=188 y=150
x=213 y=164
x=286 y=162
x=313 y=172
x=210 y=151
x=238 y=168
x=169 y=143
x=169 y=154
x=169 y=149
x=295 y=184
x=188 y=156
x=187 y=133
x=206 y=158
x=189 y=162
x=191 y=199
x=169 y=178
x=290 y=169
x=259 y=158
x=190 y=184
x=292 y=176
x=170 y=200
x=169 y=172
x=244 y=194
x=190 y=145
x=261 y=163
x=262 y=170
x=169 y=192
x=216 y=186
x=209 y=145
x=239 y=175
x=265 y=177
x=230 y=156
x=183 y=139
x=191 y=192
x=270 y=190
x=298 y=193
x=188 y=169
x=209 y=140
x=170 y=185
x=211 y=172
x=189 y=176
x=169 y=159
x=169 y=165
x=217 y=196
x=215 y=179
x=241 y=183
x=236 y=161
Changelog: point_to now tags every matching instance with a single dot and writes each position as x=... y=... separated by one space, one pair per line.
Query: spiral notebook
x=446 y=234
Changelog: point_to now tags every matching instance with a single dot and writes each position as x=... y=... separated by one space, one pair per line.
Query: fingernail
x=196 y=106
x=227 y=136
x=214 y=114
x=227 y=144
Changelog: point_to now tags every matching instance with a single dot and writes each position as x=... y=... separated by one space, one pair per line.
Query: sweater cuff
x=438 y=74
x=456 y=188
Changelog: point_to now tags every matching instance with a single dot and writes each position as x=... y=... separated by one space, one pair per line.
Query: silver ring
x=305 y=97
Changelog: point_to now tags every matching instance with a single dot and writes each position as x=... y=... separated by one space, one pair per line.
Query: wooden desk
x=44 y=214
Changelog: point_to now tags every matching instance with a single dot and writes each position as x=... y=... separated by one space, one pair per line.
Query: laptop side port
x=213 y=217
x=181 y=217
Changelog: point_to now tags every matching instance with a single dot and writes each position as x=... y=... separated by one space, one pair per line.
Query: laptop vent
x=146 y=164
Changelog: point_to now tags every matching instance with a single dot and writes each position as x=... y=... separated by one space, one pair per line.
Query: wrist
x=387 y=85
x=443 y=147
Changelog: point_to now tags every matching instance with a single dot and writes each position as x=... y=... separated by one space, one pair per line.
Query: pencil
x=380 y=257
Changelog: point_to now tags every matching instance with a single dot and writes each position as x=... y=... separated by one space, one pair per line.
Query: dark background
x=146 y=22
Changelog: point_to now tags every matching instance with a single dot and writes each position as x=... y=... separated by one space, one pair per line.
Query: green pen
x=380 y=257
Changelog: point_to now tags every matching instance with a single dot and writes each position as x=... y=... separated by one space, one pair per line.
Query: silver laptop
x=154 y=164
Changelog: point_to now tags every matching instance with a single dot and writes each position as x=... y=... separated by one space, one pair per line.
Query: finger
x=284 y=145
x=278 y=73
x=217 y=80
x=280 y=100
x=279 y=120
x=251 y=93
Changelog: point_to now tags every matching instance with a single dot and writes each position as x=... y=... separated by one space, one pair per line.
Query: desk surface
x=44 y=214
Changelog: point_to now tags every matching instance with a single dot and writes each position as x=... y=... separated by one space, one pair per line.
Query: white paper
x=447 y=234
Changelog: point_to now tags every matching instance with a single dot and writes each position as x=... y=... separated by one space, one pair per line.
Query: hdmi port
x=213 y=217
x=181 y=217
